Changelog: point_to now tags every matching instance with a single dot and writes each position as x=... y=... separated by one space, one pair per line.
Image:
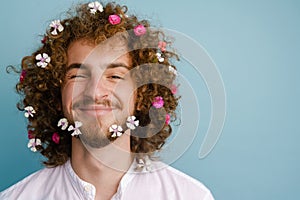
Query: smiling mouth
x=95 y=110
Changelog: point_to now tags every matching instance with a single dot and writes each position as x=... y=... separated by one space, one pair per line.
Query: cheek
x=70 y=92
x=128 y=96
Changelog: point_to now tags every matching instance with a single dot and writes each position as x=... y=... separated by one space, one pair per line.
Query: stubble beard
x=96 y=134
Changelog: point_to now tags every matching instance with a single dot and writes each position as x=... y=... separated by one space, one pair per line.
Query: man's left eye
x=116 y=77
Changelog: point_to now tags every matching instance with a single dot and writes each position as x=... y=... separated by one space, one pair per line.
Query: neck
x=104 y=167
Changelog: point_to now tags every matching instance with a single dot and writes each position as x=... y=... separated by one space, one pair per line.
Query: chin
x=95 y=141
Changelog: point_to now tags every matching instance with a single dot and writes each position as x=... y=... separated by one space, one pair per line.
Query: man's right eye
x=75 y=76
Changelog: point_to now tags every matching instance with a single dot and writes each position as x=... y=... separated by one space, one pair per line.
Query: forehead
x=109 y=51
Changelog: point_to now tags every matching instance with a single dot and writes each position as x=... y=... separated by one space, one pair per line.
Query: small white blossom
x=95 y=6
x=173 y=70
x=33 y=143
x=115 y=130
x=63 y=122
x=56 y=25
x=132 y=123
x=75 y=128
x=43 y=60
x=29 y=111
x=144 y=164
x=159 y=57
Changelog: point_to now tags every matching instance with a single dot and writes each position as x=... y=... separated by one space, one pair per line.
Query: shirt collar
x=83 y=187
x=89 y=190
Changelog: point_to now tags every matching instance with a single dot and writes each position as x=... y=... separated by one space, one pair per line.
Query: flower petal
x=78 y=124
x=38 y=57
x=71 y=127
x=54 y=32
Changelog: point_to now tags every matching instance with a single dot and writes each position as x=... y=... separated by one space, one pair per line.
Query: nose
x=97 y=89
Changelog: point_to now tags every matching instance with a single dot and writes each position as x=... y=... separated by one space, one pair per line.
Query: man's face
x=98 y=90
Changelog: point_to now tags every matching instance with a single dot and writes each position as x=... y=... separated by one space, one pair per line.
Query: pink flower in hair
x=173 y=89
x=158 y=102
x=114 y=19
x=22 y=76
x=139 y=30
x=55 y=138
x=30 y=134
x=162 y=46
x=44 y=40
x=168 y=119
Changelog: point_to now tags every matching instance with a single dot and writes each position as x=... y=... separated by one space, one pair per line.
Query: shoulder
x=184 y=183
x=32 y=185
x=170 y=183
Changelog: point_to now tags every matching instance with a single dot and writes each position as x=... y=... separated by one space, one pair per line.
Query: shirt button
x=87 y=188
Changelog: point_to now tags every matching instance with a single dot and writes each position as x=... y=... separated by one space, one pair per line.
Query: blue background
x=255 y=45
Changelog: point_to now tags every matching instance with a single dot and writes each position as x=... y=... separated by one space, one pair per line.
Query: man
x=99 y=96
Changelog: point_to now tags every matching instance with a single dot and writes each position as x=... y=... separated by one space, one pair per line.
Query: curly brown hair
x=41 y=88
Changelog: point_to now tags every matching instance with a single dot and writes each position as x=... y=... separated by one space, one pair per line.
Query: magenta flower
x=173 y=89
x=44 y=40
x=158 y=102
x=139 y=30
x=55 y=138
x=30 y=134
x=162 y=46
x=114 y=19
x=22 y=76
x=168 y=119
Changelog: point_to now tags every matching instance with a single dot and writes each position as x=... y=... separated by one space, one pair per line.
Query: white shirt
x=161 y=182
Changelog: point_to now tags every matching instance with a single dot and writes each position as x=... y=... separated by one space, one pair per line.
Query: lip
x=96 y=110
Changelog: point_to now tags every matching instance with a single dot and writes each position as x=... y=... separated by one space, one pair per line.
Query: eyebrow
x=115 y=65
x=76 y=66
x=110 y=66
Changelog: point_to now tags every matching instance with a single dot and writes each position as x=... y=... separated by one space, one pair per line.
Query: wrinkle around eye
x=77 y=74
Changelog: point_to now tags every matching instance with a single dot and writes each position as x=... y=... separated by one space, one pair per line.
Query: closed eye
x=75 y=76
x=116 y=77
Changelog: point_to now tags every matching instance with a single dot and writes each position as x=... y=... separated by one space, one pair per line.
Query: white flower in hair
x=132 y=123
x=173 y=70
x=43 y=60
x=29 y=111
x=56 y=25
x=63 y=122
x=159 y=57
x=75 y=128
x=95 y=6
x=33 y=143
x=115 y=130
